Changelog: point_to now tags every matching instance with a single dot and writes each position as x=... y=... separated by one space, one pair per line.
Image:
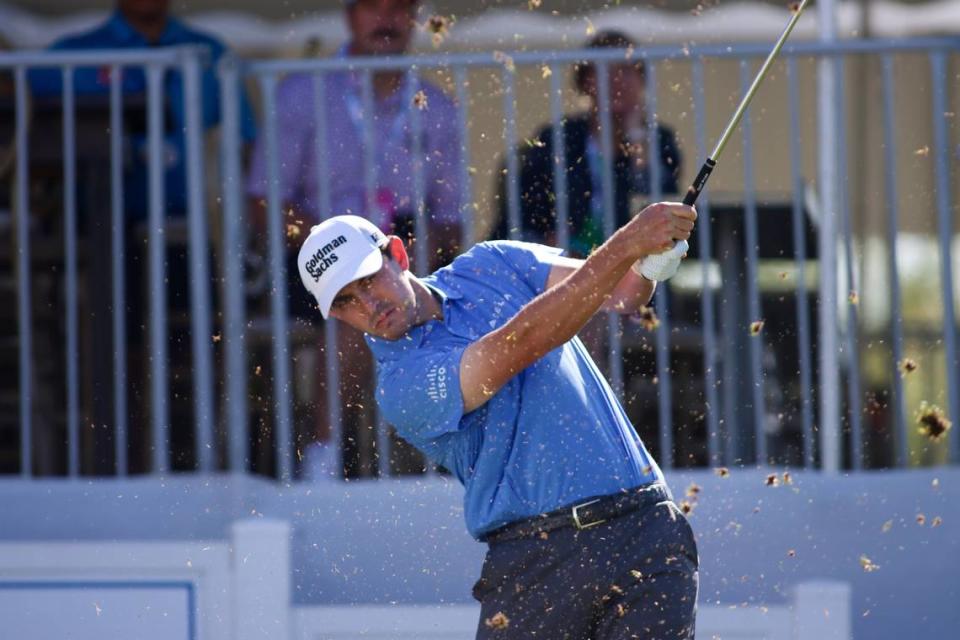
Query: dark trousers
x=635 y=576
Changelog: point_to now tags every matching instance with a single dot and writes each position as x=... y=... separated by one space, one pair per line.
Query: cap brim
x=368 y=266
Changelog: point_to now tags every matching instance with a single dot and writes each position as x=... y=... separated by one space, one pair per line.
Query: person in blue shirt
x=480 y=368
x=141 y=24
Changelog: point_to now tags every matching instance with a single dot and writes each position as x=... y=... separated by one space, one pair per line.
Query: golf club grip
x=693 y=192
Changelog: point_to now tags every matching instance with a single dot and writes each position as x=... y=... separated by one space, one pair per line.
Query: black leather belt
x=583 y=515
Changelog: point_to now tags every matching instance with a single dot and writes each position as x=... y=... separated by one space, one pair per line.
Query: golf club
x=693 y=192
x=663 y=265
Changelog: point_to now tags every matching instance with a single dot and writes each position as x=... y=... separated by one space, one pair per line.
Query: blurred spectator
x=377 y=28
x=584 y=166
x=584 y=162
x=7 y=154
x=140 y=24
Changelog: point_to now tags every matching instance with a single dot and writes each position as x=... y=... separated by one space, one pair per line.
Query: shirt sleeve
x=531 y=262
x=420 y=395
x=248 y=123
x=48 y=81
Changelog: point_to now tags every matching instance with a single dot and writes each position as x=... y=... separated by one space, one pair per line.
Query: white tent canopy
x=511 y=29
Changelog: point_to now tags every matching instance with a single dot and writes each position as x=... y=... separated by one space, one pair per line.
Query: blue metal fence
x=736 y=416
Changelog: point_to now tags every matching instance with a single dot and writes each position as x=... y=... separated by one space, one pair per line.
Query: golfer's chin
x=390 y=335
x=392 y=327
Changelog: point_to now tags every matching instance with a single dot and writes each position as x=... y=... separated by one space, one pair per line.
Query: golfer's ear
x=398 y=252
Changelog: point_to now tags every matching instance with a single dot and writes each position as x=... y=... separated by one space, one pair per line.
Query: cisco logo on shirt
x=437 y=383
x=324 y=258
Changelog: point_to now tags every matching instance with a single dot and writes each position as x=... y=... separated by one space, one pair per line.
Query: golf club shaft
x=693 y=192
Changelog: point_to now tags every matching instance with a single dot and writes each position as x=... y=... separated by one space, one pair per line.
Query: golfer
x=480 y=368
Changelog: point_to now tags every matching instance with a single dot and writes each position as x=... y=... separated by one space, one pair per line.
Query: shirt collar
x=446 y=290
x=174 y=32
x=126 y=34
x=121 y=28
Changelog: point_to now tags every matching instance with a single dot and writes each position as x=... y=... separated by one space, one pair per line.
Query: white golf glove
x=663 y=266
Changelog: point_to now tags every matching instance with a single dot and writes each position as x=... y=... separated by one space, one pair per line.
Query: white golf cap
x=337 y=252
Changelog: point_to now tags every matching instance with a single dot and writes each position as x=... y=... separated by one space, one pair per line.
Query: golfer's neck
x=428 y=307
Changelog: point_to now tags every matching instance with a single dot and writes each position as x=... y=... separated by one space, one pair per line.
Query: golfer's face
x=380 y=305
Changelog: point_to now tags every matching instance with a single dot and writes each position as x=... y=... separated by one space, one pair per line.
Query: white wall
x=158 y=590
x=244 y=28
x=239 y=589
x=404 y=541
x=817 y=611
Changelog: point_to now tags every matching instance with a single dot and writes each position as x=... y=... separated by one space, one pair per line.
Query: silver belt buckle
x=576 y=516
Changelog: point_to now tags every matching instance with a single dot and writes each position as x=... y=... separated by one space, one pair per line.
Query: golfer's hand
x=663 y=266
x=659 y=226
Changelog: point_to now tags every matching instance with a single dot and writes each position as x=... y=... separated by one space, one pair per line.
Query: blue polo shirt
x=553 y=435
x=116 y=33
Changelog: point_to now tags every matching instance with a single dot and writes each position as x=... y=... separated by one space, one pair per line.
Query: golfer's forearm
x=556 y=315
x=632 y=292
